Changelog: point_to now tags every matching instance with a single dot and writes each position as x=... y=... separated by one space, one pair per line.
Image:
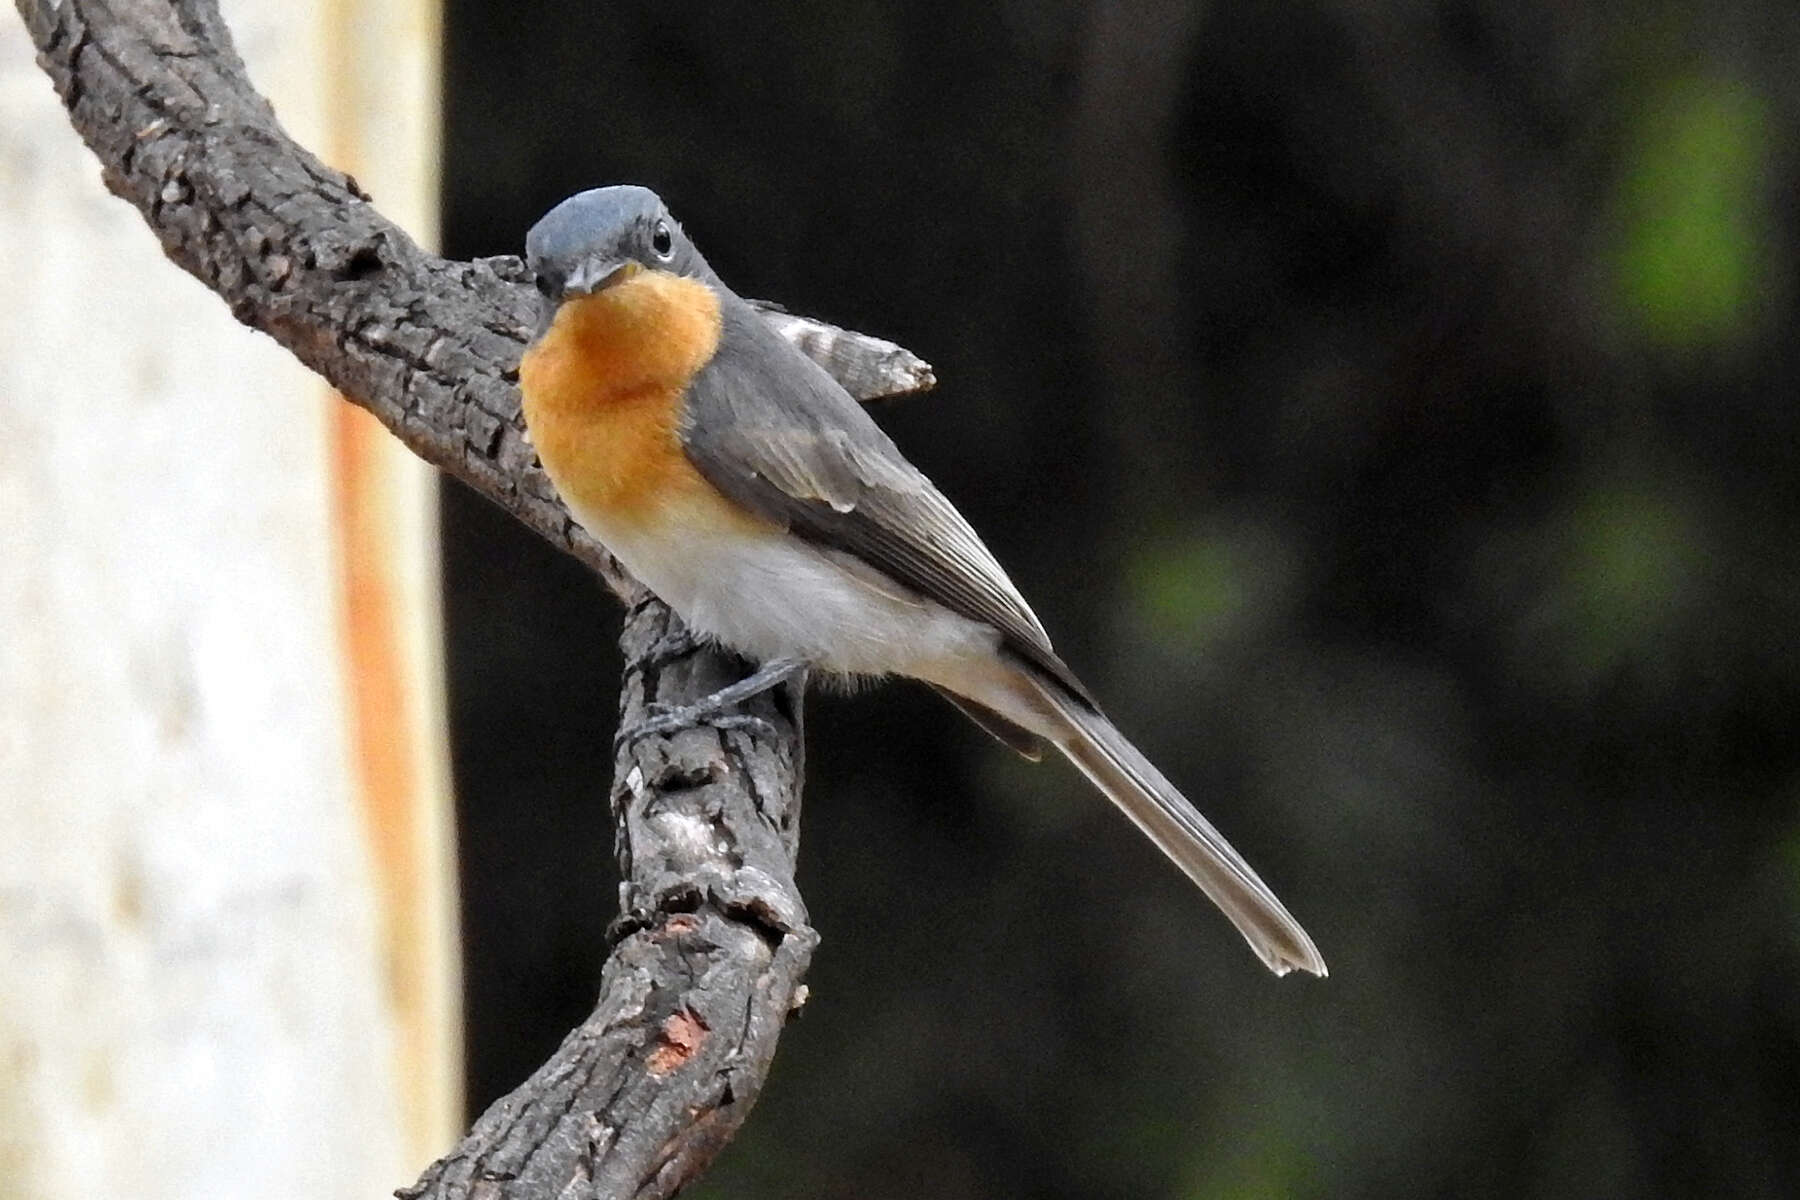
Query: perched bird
x=735 y=479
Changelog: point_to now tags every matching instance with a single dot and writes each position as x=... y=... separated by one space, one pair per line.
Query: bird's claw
x=661 y=720
x=676 y=643
x=713 y=710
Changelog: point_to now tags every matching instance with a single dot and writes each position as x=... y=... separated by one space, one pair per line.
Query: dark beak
x=589 y=277
x=585 y=280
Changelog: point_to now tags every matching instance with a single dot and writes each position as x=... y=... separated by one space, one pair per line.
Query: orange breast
x=603 y=392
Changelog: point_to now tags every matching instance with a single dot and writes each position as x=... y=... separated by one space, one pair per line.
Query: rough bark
x=711 y=944
x=713 y=941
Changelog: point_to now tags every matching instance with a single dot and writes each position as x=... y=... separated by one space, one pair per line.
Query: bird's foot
x=663 y=719
x=676 y=643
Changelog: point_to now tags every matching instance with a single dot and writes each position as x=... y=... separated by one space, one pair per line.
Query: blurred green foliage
x=1185 y=588
x=1260 y=1167
x=1696 y=246
x=1632 y=577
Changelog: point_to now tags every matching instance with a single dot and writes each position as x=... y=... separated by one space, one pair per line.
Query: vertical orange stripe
x=379 y=697
x=395 y=717
x=386 y=699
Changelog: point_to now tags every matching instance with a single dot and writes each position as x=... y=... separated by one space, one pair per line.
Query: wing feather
x=770 y=429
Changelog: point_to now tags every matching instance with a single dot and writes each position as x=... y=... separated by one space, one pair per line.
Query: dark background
x=1391 y=411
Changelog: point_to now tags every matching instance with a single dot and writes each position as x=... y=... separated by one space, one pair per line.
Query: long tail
x=1116 y=767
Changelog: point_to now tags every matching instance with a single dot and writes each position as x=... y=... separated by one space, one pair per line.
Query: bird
x=738 y=482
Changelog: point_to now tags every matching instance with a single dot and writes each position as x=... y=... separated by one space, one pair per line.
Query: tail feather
x=1115 y=766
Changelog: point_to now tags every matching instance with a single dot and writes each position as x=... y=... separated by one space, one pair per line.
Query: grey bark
x=712 y=943
x=713 y=940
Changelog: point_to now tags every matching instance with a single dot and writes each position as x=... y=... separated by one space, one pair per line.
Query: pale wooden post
x=213 y=981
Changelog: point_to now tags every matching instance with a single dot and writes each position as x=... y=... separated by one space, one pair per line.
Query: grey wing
x=869 y=368
x=767 y=427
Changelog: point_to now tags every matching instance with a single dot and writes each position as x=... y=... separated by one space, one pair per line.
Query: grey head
x=597 y=238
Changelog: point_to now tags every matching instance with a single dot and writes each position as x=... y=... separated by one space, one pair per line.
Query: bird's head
x=626 y=297
x=598 y=239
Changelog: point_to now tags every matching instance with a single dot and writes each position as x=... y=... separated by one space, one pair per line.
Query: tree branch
x=711 y=944
x=713 y=940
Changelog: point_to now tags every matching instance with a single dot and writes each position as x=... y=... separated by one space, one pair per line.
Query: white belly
x=767 y=595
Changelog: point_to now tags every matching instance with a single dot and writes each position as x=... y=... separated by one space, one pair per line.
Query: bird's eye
x=662 y=240
x=543 y=285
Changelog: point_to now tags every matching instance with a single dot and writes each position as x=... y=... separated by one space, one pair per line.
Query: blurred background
x=1391 y=411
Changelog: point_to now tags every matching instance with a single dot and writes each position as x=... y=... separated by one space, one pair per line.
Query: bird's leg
x=710 y=710
x=675 y=643
x=773 y=673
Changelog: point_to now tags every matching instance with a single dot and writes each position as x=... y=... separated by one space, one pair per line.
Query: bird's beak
x=589 y=278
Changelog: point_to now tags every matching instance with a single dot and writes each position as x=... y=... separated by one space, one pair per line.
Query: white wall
x=194 y=992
